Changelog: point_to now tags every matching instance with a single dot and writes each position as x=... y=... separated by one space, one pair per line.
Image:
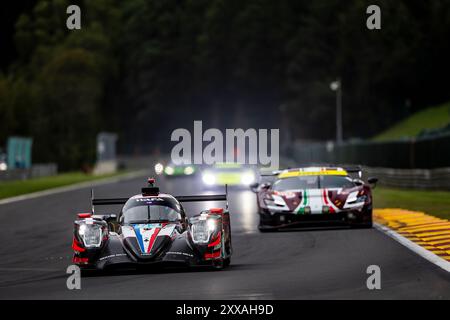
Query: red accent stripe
x=152 y=239
x=324 y=194
x=84 y=215
x=79 y=260
x=76 y=246
x=216 y=241
x=212 y=255
x=325 y=200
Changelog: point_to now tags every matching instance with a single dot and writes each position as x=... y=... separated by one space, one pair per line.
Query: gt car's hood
x=296 y=201
x=148 y=240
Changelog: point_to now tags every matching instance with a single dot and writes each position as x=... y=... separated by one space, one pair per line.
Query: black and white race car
x=152 y=229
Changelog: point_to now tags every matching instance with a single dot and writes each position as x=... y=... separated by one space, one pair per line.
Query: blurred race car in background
x=153 y=229
x=174 y=170
x=314 y=197
x=231 y=174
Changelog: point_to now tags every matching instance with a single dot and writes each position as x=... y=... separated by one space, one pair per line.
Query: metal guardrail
x=36 y=171
x=427 y=179
x=423 y=153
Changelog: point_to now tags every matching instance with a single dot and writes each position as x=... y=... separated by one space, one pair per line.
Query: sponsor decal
x=112 y=256
x=180 y=253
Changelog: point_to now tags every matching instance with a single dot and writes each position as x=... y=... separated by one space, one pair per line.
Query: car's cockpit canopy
x=151 y=210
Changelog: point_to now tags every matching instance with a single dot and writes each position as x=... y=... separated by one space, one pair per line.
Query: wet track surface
x=331 y=264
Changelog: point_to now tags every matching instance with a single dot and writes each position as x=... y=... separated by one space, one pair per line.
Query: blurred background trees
x=145 y=67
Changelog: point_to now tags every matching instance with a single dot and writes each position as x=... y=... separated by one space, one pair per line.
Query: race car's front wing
x=285 y=219
x=114 y=254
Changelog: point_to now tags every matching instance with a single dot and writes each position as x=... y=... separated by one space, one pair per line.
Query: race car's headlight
x=188 y=170
x=201 y=230
x=3 y=166
x=248 y=178
x=91 y=234
x=208 y=178
x=169 y=170
x=159 y=168
x=212 y=225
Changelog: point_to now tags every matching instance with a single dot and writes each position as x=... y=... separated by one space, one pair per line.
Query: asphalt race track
x=36 y=236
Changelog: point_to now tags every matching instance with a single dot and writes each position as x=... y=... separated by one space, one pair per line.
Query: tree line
x=145 y=67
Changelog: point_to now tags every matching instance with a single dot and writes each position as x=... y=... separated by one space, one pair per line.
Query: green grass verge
x=436 y=203
x=16 y=188
x=431 y=118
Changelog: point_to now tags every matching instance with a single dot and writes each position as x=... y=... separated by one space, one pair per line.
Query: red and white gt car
x=315 y=197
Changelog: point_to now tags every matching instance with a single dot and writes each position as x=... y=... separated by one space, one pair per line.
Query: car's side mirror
x=266 y=185
x=110 y=217
x=111 y=220
x=254 y=186
x=372 y=181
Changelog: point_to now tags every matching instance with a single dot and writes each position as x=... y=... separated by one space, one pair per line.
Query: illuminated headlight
x=248 y=178
x=159 y=168
x=188 y=170
x=91 y=235
x=361 y=199
x=354 y=197
x=208 y=178
x=169 y=171
x=202 y=229
x=3 y=166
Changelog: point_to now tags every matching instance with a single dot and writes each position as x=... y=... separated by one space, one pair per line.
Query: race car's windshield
x=150 y=213
x=331 y=182
x=294 y=183
x=313 y=182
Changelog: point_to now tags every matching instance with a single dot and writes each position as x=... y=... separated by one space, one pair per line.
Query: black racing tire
x=364 y=225
x=266 y=230
x=219 y=264
x=264 y=223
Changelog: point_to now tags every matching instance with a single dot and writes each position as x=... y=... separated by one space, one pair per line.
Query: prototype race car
x=152 y=229
x=174 y=170
x=314 y=197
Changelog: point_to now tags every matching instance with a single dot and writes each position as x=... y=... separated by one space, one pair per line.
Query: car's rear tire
x=266 y=230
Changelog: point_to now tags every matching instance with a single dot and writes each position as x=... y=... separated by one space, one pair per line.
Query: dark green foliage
x=145 y=67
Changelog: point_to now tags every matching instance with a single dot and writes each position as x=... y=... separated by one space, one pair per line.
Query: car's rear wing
x=354 y=169
x=197 y=198
x=270 y=173
x=350 y=169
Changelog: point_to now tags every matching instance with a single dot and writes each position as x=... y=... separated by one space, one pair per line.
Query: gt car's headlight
x=188 y=170
x=159 y=168
x=248 y=178
x=208 y=178
x=91 y=234
x=361 y=198
x=169 y=170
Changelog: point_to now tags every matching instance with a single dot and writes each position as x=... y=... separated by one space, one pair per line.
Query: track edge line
x=424 y=253
x=72 y=187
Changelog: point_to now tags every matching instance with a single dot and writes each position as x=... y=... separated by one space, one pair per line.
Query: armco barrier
x=424 y=153
x=428 y=179
x=36 y=171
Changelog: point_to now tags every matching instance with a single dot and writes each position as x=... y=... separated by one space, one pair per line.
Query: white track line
x=430 y=256
x=72 y=187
